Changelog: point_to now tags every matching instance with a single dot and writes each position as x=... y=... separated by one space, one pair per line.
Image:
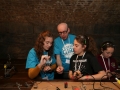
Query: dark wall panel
x=22 y=20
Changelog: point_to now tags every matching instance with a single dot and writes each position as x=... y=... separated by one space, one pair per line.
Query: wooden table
x=60 y=85
x=16 y=81
x=20 y=81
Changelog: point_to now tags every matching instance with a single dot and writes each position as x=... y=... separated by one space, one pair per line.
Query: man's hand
x=59 y=69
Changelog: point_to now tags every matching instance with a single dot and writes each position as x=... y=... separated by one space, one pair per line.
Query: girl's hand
x=44 y=58
x=108 y=73
x=77 y=74
x=47 y=68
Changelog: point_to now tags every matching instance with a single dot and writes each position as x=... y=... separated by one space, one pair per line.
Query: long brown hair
x=39 y=43
x=89 y=42
x=107 y=44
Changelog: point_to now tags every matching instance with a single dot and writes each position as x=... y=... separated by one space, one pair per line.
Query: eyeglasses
x=64 y=32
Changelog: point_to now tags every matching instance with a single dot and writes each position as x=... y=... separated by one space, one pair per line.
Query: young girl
x=105 y=58
x=83 y=64
x=40 y=60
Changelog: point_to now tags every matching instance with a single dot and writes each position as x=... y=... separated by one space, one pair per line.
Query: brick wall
x=22 y=20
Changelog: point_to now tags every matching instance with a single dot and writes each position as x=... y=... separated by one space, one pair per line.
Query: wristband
x=73 y=77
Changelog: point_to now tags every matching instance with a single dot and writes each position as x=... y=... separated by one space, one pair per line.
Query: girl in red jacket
x=105 y=58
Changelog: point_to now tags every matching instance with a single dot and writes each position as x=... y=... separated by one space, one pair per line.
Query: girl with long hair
x=40 y=59
x=83 y=64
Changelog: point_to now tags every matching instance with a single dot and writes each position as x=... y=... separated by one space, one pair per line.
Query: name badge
x=67 y=61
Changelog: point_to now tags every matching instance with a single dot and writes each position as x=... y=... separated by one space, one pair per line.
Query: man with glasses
x=63 y=50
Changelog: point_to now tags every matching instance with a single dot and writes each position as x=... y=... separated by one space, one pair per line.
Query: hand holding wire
x=77 y=74
x=44 y=59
